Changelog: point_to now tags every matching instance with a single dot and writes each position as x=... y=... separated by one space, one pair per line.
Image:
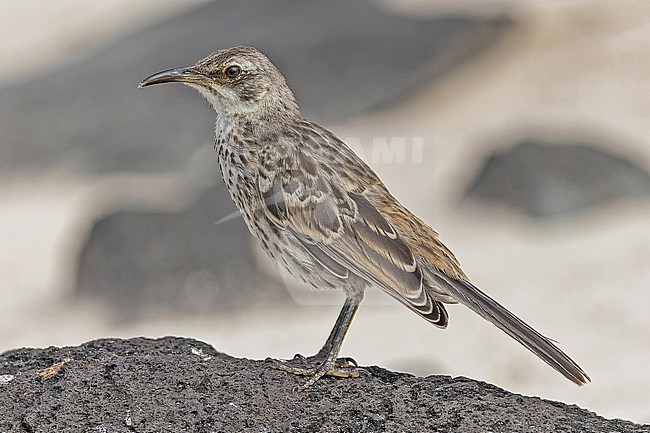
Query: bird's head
x=236 y=81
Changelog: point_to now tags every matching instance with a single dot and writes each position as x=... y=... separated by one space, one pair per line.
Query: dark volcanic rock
x=545 y=180
x=340 y=57
x=139 y=262
x=183 y=385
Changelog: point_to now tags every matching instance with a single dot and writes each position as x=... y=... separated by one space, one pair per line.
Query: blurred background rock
x=519 y=130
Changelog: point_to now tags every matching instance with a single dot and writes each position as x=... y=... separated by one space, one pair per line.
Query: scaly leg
x=325 y=362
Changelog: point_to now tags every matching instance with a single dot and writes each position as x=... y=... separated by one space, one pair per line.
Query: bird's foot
x=316 y=367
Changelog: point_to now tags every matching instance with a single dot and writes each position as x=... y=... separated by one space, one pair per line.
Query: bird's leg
x=325 y=362
x=342 y=321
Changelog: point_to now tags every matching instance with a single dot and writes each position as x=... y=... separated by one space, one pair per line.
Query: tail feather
x=469 y=295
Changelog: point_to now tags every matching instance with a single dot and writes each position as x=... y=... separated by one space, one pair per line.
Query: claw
x=302 y=358
x=346 y=361
x=315 y=368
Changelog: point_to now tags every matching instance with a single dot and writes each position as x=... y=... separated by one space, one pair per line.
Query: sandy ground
x=583 y=280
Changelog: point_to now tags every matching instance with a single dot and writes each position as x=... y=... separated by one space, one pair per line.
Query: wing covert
x=344 y=232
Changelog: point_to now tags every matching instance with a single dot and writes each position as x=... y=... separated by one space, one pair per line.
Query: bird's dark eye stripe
x=233 y=71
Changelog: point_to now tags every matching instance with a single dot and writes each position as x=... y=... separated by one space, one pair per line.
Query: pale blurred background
x=518 y=129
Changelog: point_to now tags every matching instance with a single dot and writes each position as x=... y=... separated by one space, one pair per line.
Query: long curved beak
x=185 y=74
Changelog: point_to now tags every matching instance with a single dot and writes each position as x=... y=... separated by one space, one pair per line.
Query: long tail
x=469 y=295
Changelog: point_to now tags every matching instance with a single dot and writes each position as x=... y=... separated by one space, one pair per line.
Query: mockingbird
x=325 y=217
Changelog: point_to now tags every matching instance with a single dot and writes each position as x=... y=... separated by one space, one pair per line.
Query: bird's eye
x=233 y=71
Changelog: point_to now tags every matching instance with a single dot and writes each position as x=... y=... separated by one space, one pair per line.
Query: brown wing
x=344 y=232
x=336 y=222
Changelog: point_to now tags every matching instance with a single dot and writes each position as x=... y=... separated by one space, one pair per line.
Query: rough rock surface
x=183 y=385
